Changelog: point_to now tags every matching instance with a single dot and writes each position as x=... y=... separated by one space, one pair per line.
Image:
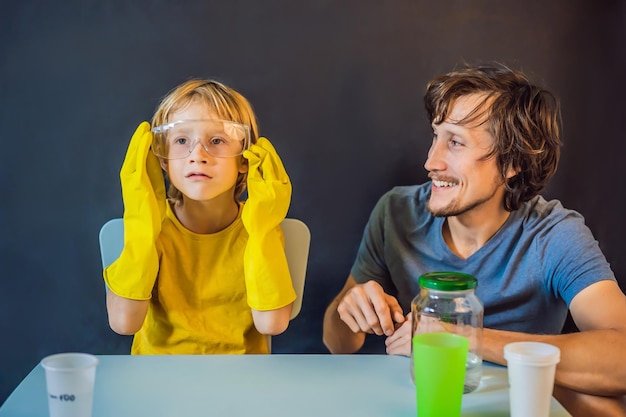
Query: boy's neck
x=205 y=217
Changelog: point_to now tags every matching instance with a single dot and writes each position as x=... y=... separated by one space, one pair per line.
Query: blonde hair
x=227 y=103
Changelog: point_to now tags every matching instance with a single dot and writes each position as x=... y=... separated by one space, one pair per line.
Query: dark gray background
x=337 y=86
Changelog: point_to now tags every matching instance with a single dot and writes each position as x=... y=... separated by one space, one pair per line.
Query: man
x=495 y=146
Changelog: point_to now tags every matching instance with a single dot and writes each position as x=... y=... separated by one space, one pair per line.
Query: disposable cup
x=70 y=381
x=531 y=369
x=439 y=368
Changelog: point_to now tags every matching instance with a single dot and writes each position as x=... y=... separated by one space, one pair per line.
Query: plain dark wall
x=337 y=87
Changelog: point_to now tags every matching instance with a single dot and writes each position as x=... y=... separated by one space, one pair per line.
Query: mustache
x=434 y=176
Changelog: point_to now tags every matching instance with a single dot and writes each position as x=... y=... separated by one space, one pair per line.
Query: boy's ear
x=243 y=165
x=163 y=163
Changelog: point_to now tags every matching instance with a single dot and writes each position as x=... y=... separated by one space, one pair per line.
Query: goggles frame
x=160 y=143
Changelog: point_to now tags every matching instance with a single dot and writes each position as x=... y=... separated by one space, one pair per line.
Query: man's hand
x=367 y=308
x=399 y=343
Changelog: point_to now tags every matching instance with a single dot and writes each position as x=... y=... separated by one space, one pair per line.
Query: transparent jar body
x=459 y=312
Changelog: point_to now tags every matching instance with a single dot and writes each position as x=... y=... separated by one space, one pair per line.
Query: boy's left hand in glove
x=268 y=282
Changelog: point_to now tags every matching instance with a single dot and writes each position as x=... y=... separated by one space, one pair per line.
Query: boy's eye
x=180 y=141
x=216 y=141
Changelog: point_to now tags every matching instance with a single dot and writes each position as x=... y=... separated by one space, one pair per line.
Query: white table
x=259 y=385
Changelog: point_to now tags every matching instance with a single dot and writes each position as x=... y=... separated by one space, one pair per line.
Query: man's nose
x=435 y=160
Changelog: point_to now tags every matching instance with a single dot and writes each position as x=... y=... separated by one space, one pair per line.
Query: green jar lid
x=448 y=281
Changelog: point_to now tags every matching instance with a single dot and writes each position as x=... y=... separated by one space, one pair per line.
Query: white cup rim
x=58 y=361
x=532 y=353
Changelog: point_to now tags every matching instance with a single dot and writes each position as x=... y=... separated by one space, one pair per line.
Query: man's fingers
x=398 y=317
x=383 y=317
x=400 y=346
x=400 y=342
x=395 y=311
x=368 y=306
x=356 y=310
x=352 y=316
x=389 y=311
x=373 y=321
x=350 y=322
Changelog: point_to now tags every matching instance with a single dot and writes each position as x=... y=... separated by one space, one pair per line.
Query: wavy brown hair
x=227 y=103
x=523 y=118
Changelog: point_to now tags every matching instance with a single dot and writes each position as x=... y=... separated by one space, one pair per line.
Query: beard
x=456 y=208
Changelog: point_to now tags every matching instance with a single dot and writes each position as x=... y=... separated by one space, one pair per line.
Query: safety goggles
x=219 y=138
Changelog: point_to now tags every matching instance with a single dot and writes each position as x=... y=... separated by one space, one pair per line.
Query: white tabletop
x=259 y=385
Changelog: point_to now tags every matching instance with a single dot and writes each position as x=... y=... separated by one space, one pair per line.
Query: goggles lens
x=219 y=138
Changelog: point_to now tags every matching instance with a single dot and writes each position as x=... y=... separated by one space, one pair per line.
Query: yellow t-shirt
x=198 y=303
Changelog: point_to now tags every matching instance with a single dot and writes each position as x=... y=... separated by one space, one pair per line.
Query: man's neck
x=467 y=233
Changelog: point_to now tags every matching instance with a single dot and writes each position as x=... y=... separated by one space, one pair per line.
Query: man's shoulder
x=544 y=215
x=404 y=193
x=540 y=208
x=404 y=205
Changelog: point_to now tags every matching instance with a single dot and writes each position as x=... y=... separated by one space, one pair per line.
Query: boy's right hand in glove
x=133 y=274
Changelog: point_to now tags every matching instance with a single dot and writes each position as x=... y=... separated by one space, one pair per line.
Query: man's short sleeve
x=370 y=261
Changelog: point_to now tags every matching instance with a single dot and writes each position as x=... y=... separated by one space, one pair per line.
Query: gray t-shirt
x=528 y=272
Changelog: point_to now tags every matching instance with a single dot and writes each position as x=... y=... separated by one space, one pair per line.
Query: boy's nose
x=198 y=152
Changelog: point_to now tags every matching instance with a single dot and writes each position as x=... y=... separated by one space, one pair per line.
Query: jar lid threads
x=448 y=281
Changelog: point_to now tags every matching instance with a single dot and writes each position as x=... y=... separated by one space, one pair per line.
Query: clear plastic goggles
x=219 y=138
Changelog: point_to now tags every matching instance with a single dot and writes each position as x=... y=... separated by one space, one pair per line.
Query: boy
x=201 y=272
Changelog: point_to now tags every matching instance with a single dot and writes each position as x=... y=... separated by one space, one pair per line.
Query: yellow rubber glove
x=133 y=274
x=268 y=282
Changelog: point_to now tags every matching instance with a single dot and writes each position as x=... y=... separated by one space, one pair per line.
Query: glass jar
x=447 y=303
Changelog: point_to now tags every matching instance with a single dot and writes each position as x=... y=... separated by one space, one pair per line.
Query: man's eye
x=454 y=143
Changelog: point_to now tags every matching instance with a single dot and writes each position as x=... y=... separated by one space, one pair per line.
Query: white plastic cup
x=531 y=368
x=70 y=379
